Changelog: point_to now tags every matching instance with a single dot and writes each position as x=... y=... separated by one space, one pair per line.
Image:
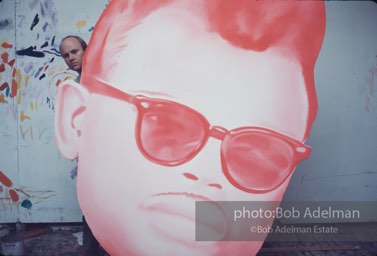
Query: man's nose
x=71 y=57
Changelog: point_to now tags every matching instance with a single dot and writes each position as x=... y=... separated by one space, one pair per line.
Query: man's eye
x=74 y=51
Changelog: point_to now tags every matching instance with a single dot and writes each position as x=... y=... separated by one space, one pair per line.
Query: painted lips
x=173 y=215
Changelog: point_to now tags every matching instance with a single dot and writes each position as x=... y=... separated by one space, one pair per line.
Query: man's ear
x=70 y=106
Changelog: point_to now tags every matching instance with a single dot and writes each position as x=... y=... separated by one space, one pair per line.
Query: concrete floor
x=66 y=240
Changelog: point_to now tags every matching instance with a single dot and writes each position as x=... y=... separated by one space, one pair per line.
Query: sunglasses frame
x=144 y=103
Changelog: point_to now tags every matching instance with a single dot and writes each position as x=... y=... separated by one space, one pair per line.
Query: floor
x=66 y=240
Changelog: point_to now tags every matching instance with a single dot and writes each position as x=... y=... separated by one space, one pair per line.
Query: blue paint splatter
x=45 y=27
x=4 y=23
x=26 y=204
x=91 y=29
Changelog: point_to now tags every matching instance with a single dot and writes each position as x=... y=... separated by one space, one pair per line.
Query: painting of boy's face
x=137 y=189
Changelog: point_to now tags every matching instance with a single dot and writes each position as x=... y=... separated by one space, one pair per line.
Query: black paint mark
x=35 y=21
x=42 y=76
x=53 y=40
x=54 y=53
x=4 y=23
x=44 y=45
x=30 y=52
x=53 y=58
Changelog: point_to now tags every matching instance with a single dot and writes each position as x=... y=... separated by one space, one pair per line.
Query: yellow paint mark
x=19 y=78
x=36 y=107
x=31 y=106
x=19 y=98
x=24 y=117
x=80 y=23
x=26 y=80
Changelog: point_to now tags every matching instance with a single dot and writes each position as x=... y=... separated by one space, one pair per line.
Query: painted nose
x=191 y=176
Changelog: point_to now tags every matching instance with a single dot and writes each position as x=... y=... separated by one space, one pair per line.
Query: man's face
x=135 y=205
x=72 y=53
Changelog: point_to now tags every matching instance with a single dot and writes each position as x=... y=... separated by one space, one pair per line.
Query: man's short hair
x=82 y=42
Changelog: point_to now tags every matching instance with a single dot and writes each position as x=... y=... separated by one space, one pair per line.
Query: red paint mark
x=4 y=86
x=14 y=73
x=6 y=45
x=215 y=185
x=5 y=180
x=46 y=67
x=58 y=82
x=190 y=176
x=14 y=196
x=2 y=67
x=11 y=63
x=4 y=57
x=14 y=89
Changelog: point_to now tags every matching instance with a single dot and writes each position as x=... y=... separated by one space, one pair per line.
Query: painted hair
x=296 y=27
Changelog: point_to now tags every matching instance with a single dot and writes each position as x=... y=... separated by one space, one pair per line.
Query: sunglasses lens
x=171 y=134
x=257 y=161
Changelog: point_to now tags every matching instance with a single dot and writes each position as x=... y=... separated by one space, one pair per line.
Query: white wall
x=343 y=164
x=28 y=155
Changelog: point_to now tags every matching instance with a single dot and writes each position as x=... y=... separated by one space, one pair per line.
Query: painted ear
x=69 y=112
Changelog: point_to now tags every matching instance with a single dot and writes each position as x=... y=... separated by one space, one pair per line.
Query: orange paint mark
x=80 y=24
x=19 y=99
x=13 y=89
x=2 y=99
x=5 y=45
x=14 y=196
x=24 y=117
x=58 y=82
x=26 y=80
x=5 y=180
x=4 y=57
x=19 y=78
x=31 y=106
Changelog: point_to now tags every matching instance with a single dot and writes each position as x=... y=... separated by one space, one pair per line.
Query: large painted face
x=136 y=189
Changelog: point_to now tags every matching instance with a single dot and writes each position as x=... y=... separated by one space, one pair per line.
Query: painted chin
x=172 y=216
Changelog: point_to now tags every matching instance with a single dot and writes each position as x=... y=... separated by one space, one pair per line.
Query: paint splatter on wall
x=31 y=68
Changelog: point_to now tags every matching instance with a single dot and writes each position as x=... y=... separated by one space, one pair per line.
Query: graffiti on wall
x=31 y=69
